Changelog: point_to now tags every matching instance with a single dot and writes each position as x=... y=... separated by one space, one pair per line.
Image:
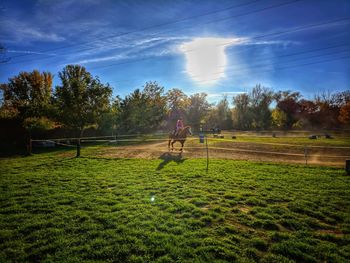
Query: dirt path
x=247 y=151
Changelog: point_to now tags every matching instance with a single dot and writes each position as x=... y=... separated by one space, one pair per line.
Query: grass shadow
x=170 y=157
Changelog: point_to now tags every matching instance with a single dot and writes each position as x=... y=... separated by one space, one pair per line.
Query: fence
x=154 y=146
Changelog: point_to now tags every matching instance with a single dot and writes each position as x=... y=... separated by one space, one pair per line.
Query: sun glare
x=206 y=59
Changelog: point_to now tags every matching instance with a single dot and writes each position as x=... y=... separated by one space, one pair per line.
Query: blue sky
x=217 y=47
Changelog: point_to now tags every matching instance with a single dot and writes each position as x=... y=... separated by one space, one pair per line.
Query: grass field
x=292 y=138
x=55 y=208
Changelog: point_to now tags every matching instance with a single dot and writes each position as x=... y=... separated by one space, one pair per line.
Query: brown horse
x=180 y=137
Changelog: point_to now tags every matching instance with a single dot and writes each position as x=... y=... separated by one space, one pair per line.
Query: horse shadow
x=170 y=157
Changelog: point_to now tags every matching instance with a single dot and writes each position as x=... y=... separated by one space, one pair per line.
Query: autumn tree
x=309 y=114
x=28 y=94
x=288 y=102
x=278 y=118
x=344 y=114
x=328 y=110
x=342 y=99
x=26 y=99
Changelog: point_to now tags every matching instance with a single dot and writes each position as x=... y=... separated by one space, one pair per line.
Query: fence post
x=206 y=144
x=305 y=154
x=30 y=146
x=78 y=147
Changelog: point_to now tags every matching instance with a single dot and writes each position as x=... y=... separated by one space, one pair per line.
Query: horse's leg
x=169 y=144
x=182 y=146
x=172 y=145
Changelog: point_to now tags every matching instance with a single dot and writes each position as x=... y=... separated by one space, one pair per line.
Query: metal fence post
x=78 y=147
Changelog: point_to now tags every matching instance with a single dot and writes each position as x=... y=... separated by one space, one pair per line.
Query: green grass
x=55 y=208
x=303 y=140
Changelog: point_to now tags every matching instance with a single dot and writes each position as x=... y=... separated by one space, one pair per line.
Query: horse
x=180 y=137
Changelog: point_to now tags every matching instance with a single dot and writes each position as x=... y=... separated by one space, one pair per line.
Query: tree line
x=82 y=102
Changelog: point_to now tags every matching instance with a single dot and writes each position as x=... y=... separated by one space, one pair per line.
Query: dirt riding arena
x=226 y=149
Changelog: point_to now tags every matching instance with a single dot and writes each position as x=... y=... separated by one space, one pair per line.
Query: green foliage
x=252 y=110
x=143 y=111
x=197 y=110
x=177 y=103
x=241 y=113
x=220 y=116
x=81 y=100
x=261 y=99
x=38 y=124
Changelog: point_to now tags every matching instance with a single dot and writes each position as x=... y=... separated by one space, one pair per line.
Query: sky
x=218 y=47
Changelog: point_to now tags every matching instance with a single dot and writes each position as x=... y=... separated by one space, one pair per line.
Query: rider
x=179 y=126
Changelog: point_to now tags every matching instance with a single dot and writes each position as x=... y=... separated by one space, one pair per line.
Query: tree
x=177 y=102
x=288 y=102
x=109 y=123
x=328 y=110
x=309 y=114
x=155 y=104
x=212 y=119
x=260 y=100
x=26 y=100
x=81 y=99
x=143 y=111
x=224 y=114
x=242 y=115
x=278 y=118
x=344 y=114
x=197 y=110
x=28 y=94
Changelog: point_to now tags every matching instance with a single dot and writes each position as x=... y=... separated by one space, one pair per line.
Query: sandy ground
x=234 y=151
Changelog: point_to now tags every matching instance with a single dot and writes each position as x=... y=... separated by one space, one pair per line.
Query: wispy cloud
x=129 y=49
x=270 y=42
x=17 y=31
x=30 y=52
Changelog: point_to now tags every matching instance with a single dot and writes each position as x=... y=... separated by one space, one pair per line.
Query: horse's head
x=188 y=130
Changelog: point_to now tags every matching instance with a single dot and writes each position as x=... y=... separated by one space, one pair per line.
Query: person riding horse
x=179 y=126
x=179 y=135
